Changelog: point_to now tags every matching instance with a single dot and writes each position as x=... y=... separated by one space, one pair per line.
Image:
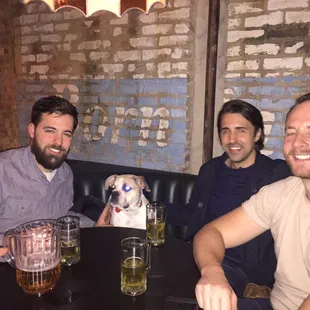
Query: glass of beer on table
x=34 y=250
x=155 y=223
x=70 y=239
x=135 y=263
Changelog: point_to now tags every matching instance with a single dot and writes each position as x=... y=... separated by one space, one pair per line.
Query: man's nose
x=58 y=139
x=232 y=137
x=299 y=140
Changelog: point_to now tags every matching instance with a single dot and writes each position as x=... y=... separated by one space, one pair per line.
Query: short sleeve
x=262 y=206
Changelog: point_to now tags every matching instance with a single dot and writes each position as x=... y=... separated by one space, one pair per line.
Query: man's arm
x=306 y=304
x=235 y=228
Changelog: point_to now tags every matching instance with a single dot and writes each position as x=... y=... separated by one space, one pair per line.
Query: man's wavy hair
x=249 y=112
x=298 y=101
x=53 y=104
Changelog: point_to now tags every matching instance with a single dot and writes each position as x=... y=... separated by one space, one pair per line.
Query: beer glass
x=155 y=223
x=70 y=239
x=135 y=262
x=34 y=250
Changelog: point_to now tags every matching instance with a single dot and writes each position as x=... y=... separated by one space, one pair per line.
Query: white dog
x=127 y=200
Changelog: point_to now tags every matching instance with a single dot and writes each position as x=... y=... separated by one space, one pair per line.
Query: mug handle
x=9 y=242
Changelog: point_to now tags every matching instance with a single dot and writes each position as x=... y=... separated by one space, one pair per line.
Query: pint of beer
x=135 y=258
x=155 y=223
x=34 y=250
x=70 y=239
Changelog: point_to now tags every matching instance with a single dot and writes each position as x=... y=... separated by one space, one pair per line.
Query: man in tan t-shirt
x=283 y=207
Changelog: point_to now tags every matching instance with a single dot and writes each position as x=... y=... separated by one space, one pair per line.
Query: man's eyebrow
x=50 y=127
x=239 y=127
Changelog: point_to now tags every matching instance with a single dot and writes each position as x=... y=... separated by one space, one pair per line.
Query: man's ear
x=258 y=135
x=31 y=130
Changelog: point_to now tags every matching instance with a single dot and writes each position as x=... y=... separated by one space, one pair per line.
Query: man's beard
x=48 y=161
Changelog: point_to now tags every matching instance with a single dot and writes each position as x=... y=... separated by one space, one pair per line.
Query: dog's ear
x=110 y=181
x=142 y=183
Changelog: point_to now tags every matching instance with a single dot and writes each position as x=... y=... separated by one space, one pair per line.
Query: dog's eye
x=127 y=188
x=112 y=186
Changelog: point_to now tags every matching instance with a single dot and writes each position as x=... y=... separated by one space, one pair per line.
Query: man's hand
x=105 y=217
x=3 y=251
x=213 y=291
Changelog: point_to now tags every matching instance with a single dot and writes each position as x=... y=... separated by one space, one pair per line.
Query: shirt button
x=22 y=208
x=200 y=204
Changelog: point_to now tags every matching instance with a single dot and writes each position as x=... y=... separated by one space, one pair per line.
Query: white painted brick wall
x=294 y=49
x=156 y=29
x=181 y=3
x=62 y=27
x=174 y=40
x=154 y=54
x=234 y=23
x=233 y=51
x=267 y=48
x=273 y=18
x=117 y=31
x=78 y=57
x=143 y=42
x=43 y=57
x=242 y=65
x=51 y=38
x=94 y=56
x=149 y=18
x=293 y=63
x=90 y=45
x=236 y=35
x=28 y=58
x=242 y=8
x=181 y=28
x=297 y=17
x=127 y=56
x=176 y=14
x=285 y=4
x=42 y=69
x=120 y=21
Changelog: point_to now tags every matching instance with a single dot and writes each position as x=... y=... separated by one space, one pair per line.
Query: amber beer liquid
x=70 y=252
x=133 y=276
x=155 y=232
x=38 y=282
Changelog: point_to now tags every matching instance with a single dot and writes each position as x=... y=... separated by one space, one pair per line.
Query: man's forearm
x=209 y=249
x=306 y=304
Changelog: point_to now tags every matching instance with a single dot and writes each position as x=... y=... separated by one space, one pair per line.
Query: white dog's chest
x=131 y=219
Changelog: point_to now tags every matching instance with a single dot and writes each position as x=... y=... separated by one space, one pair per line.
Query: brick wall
x=8 y=106
x=127 y=76
x=268 y=59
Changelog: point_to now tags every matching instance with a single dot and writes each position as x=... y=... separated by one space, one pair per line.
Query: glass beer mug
x=135 y=263
x=34 y=250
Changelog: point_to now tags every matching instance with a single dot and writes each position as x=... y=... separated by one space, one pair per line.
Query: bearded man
x=35 y=181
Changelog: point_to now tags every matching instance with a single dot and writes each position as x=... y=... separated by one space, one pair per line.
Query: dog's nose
x=115 y=194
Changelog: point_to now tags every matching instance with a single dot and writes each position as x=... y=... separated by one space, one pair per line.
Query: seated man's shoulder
x=276 y=166
x=9 y=156
x=213 y=162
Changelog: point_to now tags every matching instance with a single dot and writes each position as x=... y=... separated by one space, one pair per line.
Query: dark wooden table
x=94 y=283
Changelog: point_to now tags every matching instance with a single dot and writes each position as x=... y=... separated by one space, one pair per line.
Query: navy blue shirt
x=226 y=195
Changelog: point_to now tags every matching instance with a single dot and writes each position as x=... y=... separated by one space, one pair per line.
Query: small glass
x=155 y=223
x=70 y=239
x=135 y=263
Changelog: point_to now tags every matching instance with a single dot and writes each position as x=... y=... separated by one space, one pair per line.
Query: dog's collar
x=118 y=210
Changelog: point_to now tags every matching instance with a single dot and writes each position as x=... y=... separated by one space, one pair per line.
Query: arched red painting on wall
x=88 y=7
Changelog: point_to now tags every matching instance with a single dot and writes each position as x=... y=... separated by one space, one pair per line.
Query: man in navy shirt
x=225 y=182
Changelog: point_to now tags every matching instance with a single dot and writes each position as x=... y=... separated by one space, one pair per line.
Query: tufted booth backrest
x=168 y=187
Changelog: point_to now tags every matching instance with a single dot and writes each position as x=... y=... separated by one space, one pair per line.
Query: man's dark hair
x=249 y=112
x=53 y=104
x=298 y=101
